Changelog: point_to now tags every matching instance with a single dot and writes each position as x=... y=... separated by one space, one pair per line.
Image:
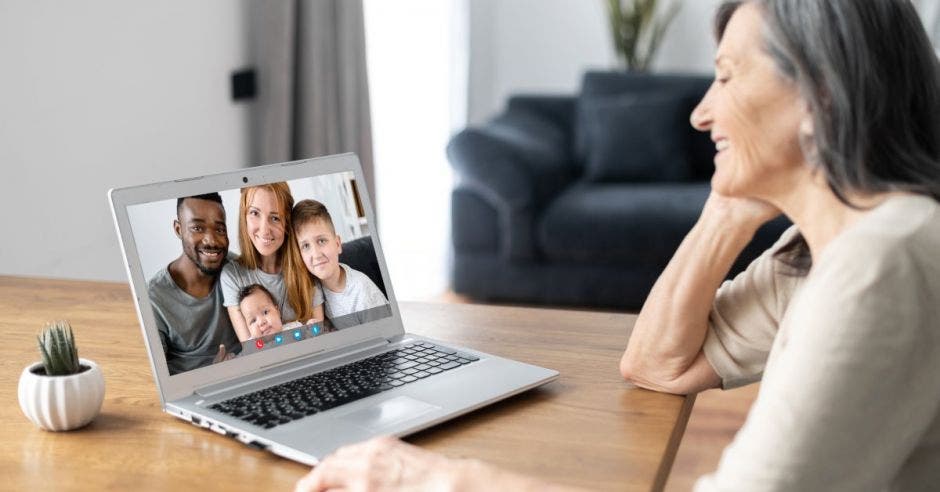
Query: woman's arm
x=851 y=403
x=665 y=348
x=317 y=314
x=238 y=323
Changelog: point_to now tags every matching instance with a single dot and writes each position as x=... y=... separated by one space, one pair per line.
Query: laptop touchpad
x=388 y=413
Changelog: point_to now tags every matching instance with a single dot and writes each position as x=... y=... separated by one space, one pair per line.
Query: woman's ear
x=807 y=137
x=807 y=129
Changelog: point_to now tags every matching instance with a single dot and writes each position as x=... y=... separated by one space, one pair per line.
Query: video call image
x=249 y=270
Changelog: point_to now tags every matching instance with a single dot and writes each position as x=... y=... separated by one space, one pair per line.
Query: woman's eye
x=275 y=219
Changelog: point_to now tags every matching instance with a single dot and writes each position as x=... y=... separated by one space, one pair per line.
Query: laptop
x=313 y=385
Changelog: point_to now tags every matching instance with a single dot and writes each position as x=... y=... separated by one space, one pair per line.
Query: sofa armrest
x=516 y=162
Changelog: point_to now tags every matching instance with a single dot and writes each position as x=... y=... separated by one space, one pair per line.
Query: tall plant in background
x=637 y=29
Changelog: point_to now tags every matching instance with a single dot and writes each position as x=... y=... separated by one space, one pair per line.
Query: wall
x=107 y=93
x=545 y=46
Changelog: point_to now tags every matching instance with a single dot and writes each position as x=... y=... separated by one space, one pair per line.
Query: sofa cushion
x=607 y=84
x=637 y=138
x=620 y=224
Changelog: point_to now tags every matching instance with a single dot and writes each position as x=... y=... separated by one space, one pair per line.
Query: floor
x=717 y=416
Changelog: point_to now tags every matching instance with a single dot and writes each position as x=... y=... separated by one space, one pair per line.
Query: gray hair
x=871 y=79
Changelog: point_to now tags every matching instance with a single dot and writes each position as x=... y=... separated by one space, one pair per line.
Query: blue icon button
x=315 y=329
x=298 y=335
x=278 y=339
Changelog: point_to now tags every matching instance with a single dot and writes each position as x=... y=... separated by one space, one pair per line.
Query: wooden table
x=589 y=428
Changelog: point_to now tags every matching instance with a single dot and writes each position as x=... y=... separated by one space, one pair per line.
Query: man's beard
x=193 y=256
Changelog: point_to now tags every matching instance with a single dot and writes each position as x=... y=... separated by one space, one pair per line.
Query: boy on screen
x=346 y=291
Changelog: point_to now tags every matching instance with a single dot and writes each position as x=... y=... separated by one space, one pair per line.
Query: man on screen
x=186 y=297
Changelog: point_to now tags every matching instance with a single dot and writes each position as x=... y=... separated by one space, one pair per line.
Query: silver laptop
x=297 y=388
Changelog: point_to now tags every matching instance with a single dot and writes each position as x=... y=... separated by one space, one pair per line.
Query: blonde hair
x=297 y=282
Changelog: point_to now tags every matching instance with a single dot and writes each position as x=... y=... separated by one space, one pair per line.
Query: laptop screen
x=241 y=271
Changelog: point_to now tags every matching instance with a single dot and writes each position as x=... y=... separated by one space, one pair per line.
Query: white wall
x=544 y=46
x=106 y=93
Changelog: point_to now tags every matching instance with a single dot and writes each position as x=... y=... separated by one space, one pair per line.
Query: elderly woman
x=829 y=112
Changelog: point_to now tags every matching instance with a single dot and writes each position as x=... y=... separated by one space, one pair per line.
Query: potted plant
x=61 y=392
x=637 y=29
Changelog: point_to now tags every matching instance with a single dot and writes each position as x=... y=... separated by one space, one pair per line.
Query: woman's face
x=752 y=112
x=265 y=223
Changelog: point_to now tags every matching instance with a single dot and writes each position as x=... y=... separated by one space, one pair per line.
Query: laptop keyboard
x=322 y=391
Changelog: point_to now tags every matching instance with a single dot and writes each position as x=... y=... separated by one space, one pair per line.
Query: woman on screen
x=269 y=257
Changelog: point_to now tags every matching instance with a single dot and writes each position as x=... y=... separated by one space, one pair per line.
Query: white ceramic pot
x=59 y=403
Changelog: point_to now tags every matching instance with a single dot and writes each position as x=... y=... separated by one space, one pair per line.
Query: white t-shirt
x=848 y=358
x=359 y=294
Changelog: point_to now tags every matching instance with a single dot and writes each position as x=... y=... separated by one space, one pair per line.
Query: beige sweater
x=848 y=358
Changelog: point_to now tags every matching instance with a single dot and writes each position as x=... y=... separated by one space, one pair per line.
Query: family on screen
x=286 y=285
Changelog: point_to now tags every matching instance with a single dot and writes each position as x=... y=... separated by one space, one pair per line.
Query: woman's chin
x=266 y=251
x=723 y=186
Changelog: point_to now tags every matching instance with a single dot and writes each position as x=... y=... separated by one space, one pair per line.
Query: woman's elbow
x=636 y=373
x=633 y=373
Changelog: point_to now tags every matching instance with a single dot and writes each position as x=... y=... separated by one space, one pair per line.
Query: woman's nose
x=700 y=118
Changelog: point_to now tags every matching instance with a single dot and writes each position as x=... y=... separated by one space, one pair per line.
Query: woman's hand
x=382 y=464
x=747 y=213
x=387 y=464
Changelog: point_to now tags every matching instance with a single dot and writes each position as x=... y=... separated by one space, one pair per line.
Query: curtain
x=313 y=92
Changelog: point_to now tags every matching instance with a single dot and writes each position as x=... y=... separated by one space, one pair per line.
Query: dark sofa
x=582 y=200
x=359 y=254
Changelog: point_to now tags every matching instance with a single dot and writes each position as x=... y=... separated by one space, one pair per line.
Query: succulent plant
x=57 y=346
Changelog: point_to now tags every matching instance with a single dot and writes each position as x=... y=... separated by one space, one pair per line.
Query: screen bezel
x=185 y=384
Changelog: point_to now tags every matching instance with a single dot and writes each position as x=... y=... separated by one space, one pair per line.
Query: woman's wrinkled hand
x=738 y=211
x=383 y=464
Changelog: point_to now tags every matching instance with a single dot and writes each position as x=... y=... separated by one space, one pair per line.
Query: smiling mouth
x=212 y=255
x=264 y=241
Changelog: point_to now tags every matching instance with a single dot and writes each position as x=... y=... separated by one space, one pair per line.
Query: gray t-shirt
x=848 y=358
x=359 y=295
x=191 y=329
x=235 y=277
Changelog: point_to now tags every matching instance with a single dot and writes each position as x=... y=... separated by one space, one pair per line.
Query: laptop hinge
x=280 y=368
